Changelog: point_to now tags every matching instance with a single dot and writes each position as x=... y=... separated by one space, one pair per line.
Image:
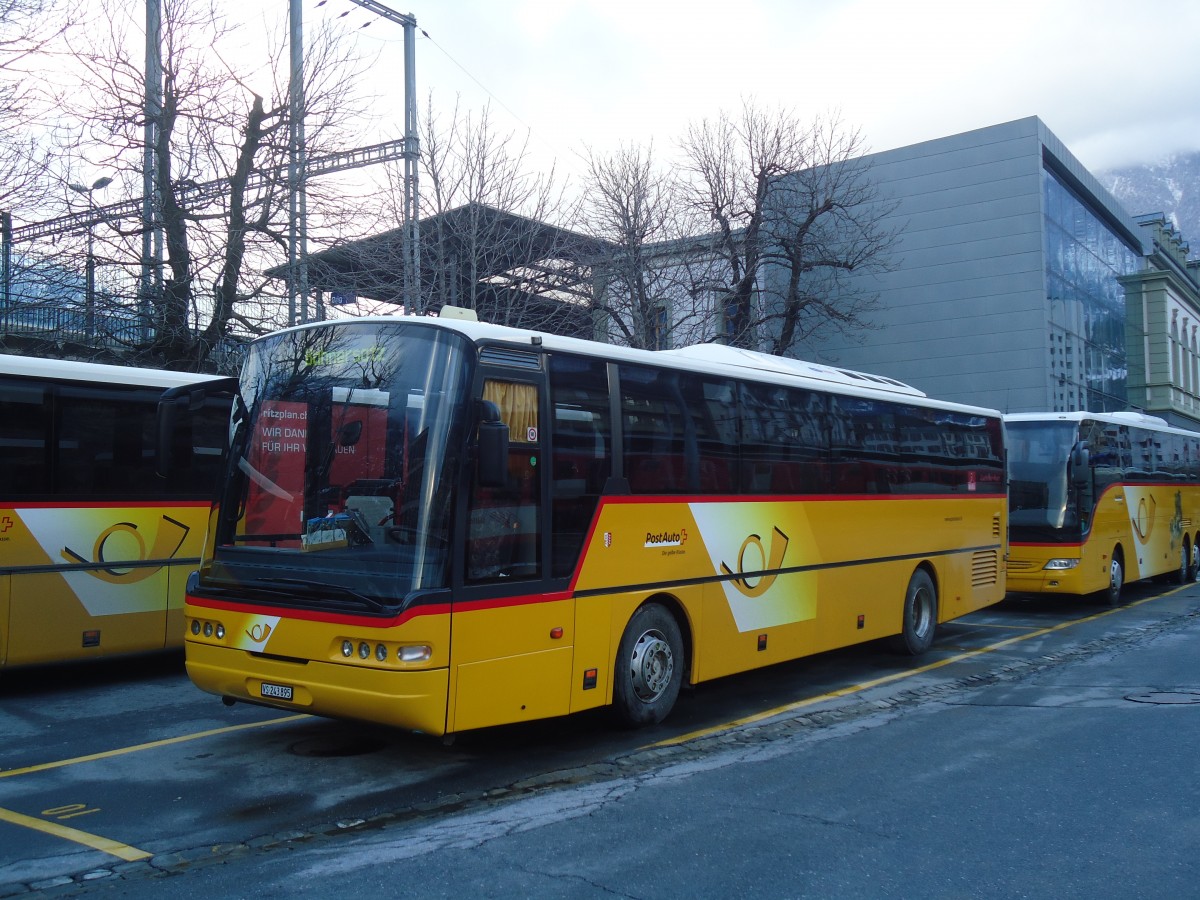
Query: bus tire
x=920 y=616
x=649 y=669
x=1183 y=572
x=1116 y=578
x=1194 y=567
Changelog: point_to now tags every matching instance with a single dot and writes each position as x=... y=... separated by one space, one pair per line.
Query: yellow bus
x=1100 y=499
x=94 y=548
x=444 y=525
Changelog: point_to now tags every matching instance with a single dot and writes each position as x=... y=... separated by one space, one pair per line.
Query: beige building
x=1162 y=326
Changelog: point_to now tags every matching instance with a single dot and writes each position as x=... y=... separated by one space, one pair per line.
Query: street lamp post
x=89 y=314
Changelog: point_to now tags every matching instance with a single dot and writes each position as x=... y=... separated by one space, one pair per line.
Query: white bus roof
x=95 y=373
x=713 y=359
x=1137 y=419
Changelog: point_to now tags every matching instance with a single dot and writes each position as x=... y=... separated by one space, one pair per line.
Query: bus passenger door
x=511 y=644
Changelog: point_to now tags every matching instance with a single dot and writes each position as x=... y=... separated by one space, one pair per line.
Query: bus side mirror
x=493 y=446
x=173 y=419
x=1081 y=463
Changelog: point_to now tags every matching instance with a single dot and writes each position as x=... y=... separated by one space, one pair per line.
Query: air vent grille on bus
x=513 y=359
x=995 y=526
x=985 y=568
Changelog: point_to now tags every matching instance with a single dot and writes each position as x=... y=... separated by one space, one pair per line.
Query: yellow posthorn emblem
x=168 y=538
x=757 y=585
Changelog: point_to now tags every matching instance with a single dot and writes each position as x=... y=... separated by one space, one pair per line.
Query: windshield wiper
x=281 y=584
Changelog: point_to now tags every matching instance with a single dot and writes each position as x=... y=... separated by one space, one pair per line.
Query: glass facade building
x=1008 y=283
x=1087 y=363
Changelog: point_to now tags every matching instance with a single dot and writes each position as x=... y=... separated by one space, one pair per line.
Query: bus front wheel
x=920 y=616
x=1116 y=579
x=649 y=668
x=1184 y=573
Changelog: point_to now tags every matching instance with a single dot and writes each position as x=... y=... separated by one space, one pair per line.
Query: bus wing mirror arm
x=493 y=446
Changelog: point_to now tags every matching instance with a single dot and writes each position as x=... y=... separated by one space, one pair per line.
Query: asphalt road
x=1042 y=748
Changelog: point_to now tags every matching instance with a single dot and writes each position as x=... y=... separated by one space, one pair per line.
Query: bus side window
x=582 y=454
x=785 y=448
x=24 y=468
x=106 y=442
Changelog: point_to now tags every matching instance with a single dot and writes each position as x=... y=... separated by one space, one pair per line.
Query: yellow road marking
x=897 y=676
x=114 y=848
x=152 y=745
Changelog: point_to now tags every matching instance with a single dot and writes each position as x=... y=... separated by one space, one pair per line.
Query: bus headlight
x=414 y=653
x=364 y=650
x=347 y=648
x=1061 y=564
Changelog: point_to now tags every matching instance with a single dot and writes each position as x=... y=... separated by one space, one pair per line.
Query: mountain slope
x=1171 y=186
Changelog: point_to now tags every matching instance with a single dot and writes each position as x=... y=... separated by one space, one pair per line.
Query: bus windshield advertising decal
x=278 y=451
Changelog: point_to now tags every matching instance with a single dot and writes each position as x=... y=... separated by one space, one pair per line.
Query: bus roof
x=1136 y=419
x=714 y=359
x=95 y=373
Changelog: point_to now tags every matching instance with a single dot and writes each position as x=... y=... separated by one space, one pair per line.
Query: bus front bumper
x=1029 y=574
x=413 y=699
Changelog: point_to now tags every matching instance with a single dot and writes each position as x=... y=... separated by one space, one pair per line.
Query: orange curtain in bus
x=518 y=408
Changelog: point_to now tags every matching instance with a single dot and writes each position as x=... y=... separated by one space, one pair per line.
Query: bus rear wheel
x=920 y=616
x=649 y=670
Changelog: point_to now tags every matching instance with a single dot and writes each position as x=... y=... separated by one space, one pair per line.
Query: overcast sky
x=1115 y=81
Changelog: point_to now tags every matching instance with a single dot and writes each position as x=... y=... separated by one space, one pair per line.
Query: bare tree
x=222 y=147
x=794 y=212
x=652 y=293
x=27 y=27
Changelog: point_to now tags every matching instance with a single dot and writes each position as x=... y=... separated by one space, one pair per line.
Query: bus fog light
x=208 y=629
x=1061 y=564
x=195 y=626
x=220 y=632
x=364 y=650
x=415 y=653
x=347 y=648
x=381 y=653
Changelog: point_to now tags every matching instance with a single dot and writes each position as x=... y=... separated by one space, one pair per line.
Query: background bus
x=1098 y=499
x=444 y=525
x=94 y=547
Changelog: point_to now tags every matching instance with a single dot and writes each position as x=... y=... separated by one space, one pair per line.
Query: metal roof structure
x=512 y=269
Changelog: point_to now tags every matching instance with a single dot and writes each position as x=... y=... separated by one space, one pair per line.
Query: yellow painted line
x=897 y=676
x=152 y=745
x=989 y=625
x=114 y=848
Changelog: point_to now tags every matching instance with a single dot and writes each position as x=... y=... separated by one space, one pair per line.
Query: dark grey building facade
x=1007 y=288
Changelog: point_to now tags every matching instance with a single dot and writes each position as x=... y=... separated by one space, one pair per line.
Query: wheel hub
x=652 y=666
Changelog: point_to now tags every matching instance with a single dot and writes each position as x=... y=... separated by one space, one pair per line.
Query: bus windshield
x=1042 y=501
x=344 y=453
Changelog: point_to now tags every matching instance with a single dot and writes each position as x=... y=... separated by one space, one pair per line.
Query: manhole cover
x=1166 y=697
x=337 y=746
